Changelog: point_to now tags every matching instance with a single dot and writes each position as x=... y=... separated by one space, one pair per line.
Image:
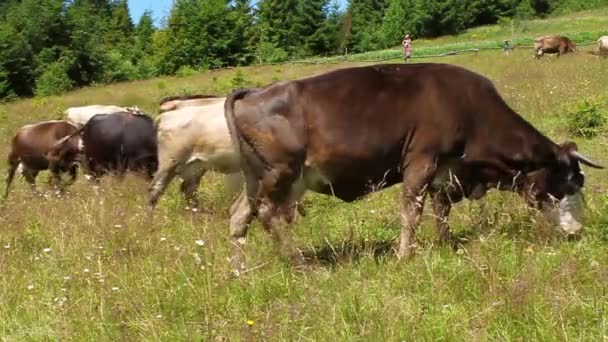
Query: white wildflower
x=200 y=242
x=46 y=250
x=86 y=270
x=118 y=226
x=7 y=246
x=115 y=288
x=30 y=287
x=163 y=239
x=197 y=258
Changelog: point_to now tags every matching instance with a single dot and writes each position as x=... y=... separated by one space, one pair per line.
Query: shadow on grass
x=350 y=251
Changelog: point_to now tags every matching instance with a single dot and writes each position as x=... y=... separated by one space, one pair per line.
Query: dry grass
x=90 y=266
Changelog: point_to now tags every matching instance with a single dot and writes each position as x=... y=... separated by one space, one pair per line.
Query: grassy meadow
x=90 y=266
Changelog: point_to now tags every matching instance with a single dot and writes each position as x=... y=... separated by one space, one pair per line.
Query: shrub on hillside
x=118 y=68
x=185 y=71
x=239 y=80
x=267 y=52
x=587 y=117
x=54 y=80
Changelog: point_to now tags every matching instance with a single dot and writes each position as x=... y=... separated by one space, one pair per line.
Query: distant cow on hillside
x=602 y=46
x=553 y=44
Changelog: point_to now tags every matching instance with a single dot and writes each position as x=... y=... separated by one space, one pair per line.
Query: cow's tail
x=65 y=139
x=229 y=113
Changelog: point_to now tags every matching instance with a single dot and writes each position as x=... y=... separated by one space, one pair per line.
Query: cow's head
x=557 y=189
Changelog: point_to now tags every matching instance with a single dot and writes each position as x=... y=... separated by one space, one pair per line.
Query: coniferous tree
x=198 y=35
x=366 y=18
x=241 y=17
x=145 y=31
x=120 y=26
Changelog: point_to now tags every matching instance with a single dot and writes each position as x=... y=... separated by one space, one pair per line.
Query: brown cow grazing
x=553 y=44
x=35 y=148
x=176 y=102
x=438 y=129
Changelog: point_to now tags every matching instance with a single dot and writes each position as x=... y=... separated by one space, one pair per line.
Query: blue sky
x=160 y=8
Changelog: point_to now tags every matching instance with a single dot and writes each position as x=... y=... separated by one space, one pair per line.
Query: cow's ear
x=568 y=146
x=565 y=152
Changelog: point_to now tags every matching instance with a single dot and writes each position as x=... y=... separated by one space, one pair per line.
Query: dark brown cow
x=553 y=44
x=438 y=129
x=36 y=147
x=120 y=142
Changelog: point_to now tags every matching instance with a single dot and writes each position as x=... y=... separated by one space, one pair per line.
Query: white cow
x=80 y=115
x=191 y=141
x=602 y=46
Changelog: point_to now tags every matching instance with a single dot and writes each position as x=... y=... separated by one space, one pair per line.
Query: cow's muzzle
x=566 y=213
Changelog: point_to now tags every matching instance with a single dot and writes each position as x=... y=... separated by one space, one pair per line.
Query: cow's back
x=355 y=125
x=40 y=136
x=111 y=139
x=80 y=115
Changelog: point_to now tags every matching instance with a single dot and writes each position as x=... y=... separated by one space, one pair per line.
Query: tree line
x=51 y=46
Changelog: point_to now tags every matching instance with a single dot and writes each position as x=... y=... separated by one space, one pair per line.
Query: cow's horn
x=581 y=158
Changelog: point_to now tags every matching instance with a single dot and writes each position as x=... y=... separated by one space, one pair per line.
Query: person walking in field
x=407 y=44
x=506 y=47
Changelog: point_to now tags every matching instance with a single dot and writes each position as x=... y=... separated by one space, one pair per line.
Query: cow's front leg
x=57 y=182
x=276 y=218
x=417 y=175
x=73 y=172
x=276 y=210
x=441 y=210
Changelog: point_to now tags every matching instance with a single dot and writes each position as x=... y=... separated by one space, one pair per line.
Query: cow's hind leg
x=441 y=210
x=30 y=177
x=13 y=164
x=241 y=215
x=418 y=173
x=73 y=172
x=161 y=180
x=192 y=174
